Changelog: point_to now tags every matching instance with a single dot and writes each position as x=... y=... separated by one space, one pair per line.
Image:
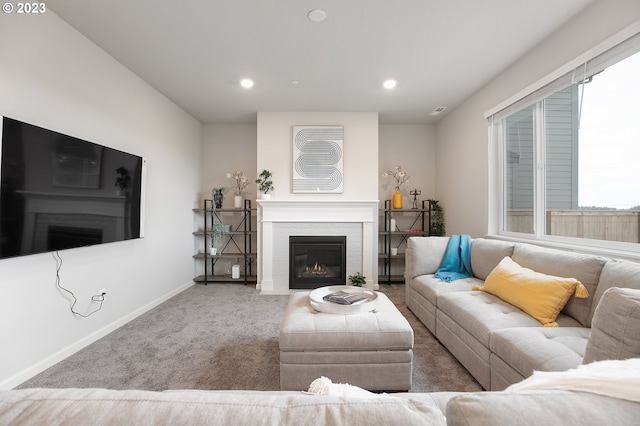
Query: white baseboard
x=51 y=360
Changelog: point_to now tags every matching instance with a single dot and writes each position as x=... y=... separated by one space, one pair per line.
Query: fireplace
x=317 y=261
x=280 y=219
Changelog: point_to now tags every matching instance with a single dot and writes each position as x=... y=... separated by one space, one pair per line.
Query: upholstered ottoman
x=373 y=350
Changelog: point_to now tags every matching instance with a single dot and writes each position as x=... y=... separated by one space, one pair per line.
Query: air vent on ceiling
x=438 y=110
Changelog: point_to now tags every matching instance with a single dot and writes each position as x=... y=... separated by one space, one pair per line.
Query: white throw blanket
x=613 y=378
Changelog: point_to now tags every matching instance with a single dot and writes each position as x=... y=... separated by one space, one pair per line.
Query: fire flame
x=316 y=269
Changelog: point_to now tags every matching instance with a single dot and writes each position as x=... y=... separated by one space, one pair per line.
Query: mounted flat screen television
x=59 y=192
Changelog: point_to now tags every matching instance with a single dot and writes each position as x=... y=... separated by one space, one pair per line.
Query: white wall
x=413 y=147
x=228 y=148
x=53 y=77
x=275 y=151
x=462 y=146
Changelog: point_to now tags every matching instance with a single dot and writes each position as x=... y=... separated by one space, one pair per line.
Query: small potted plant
x=436 y=227
x=357 y=279
x=265 y=184
x=217 y=234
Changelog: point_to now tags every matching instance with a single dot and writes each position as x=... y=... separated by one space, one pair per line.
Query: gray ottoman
x=373 y=350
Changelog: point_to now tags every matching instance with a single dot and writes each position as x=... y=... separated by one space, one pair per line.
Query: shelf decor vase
x=397 y=199
x=218 y=197
x=237 y=201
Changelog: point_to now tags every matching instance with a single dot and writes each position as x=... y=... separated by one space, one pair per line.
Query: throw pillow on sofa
x=541 y=296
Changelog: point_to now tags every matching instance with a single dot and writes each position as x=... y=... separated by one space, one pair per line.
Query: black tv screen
x=59 y=192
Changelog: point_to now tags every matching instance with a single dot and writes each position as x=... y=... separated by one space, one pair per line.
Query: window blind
x=590 y=66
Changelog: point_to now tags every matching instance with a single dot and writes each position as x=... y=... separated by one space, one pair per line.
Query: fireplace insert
x=317 y=261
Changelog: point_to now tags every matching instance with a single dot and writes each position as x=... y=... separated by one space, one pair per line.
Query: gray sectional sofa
x=499 y=343
x=70 y=407
x=598 y=342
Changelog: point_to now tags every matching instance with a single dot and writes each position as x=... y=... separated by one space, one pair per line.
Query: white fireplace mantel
x=277 y=219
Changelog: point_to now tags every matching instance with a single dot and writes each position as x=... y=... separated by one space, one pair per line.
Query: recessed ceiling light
x=438 y=110
x=389 y=84
x=317 y=15
x=247 y=83
x=294 y=82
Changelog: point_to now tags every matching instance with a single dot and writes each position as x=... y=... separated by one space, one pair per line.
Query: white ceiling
x=196 y=51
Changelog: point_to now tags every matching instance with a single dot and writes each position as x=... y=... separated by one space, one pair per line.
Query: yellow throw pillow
x=541 y=296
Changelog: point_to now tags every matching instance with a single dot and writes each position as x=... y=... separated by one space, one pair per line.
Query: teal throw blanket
x=456 y=263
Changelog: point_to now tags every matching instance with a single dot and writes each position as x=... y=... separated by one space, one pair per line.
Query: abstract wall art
x=318 y=159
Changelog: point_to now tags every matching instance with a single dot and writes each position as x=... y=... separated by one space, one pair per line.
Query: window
x=568 y=154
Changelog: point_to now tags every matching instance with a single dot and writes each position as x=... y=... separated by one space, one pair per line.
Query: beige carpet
x=222 y=336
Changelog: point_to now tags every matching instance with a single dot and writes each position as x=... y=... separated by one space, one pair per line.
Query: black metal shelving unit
x=419 y=226
x=237 y=243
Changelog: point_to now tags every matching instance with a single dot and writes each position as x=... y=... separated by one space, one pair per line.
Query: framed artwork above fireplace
x=318 y=159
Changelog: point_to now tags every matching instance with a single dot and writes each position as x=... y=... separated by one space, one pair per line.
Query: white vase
x=237 y=201
x=265 y=196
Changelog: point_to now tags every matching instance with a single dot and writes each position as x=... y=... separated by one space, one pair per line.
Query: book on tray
x=344 y=298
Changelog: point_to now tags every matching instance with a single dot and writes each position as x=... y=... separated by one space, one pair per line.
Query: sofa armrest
x=424 y=255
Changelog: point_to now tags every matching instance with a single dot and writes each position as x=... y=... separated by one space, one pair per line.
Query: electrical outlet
x=103 y=291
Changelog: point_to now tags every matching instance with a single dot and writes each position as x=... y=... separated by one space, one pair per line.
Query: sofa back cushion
x=615 y=330
x=540 y=407
x=188 y=407
x=486 y=254
x=616 y=273
x=584 y=268
x=424 y=255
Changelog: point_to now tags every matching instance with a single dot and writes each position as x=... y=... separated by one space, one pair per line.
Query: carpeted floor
x=222 y=336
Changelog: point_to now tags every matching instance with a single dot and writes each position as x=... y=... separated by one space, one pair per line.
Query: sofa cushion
x=486 y=254
x=541 y=296
x=481 y=313
x=615 y=273
x=431 y=287
x=584 y=268
x=547 y=407
x=111 y=407
x=436 y=399
x=615 y=330
x=526 y=349
x=424 y=255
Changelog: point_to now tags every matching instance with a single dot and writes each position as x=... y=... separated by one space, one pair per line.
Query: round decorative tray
x=319 y=304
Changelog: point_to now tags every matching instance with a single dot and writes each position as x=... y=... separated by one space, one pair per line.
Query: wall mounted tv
x=59 y=192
